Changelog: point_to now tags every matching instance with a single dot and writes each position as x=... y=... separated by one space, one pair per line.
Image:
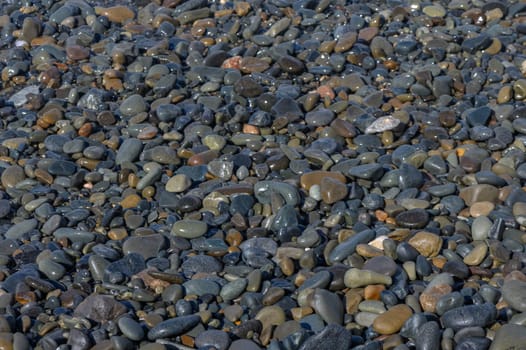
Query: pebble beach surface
x=284 y=175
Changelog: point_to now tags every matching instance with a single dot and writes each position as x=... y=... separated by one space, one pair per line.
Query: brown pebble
x=332 y=190
x=232 y=62
x=203 y=158
x=253 y=65
x=429 y=298
x=367 y=34
x=345 y=42
x=118 y=14
x=352 y=299
x=373 y=291
x=242 y=8
x=428 y=244
x=392 y=320
x=117 y=234
x=130 y=201
x=77 y=52
x=481 y=209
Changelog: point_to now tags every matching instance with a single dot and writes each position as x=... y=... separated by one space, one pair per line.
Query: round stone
x=178 y=183
x=392 y=320
x=133 y=105
x=189 y=228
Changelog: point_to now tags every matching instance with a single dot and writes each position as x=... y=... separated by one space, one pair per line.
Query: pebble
x=173 y=327
x=392 y=320
x=469 y=316
x=513 y=294
x=189 y=228
x=357 y=278
x=282 y=175
x=131 y=329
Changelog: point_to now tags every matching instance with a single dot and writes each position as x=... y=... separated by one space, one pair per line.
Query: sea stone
x=332 y=190
x=481 y=315
x=428 y=244
x=100 y=308
x=479 y=193
x=514 y=293
x=355 y=278
x=430 y=296
x=315 y=178
x=392 y=320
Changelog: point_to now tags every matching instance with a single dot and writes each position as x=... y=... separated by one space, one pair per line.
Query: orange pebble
x=250 y=129
x=232 y=62
x=85 y=130
x=373 y=291
x=326 y=91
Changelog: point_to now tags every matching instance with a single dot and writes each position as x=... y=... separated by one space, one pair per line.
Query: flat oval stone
x=20 y=229
x=479 y=193
x=173 y=327
x=131 y=329
x=514 y=293
x=509 y=336
x=178 y=183
x=233 y=289
x=328 y=305
x=11 y=176
x=414 y=218
x=51 y=269
x=470 y=316
x=118 y=14
x=392 y=320
x=201 y=287
x=189 y=228
x=381 y=264
x=319 y=117
x=290 y=64
x=133 y=105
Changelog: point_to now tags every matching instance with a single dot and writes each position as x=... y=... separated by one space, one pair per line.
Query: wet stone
x=201 y=263
x=189 y=228
x=249 y=175
x=414 y=218
x=513 y=294
x=100 y=308
x=470 y=316
x=173 y=327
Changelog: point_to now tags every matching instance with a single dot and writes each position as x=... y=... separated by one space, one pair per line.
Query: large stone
x=508 y=337
x=100 y=308
x=392 y=320
x=428 y=244
x=514 y=293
